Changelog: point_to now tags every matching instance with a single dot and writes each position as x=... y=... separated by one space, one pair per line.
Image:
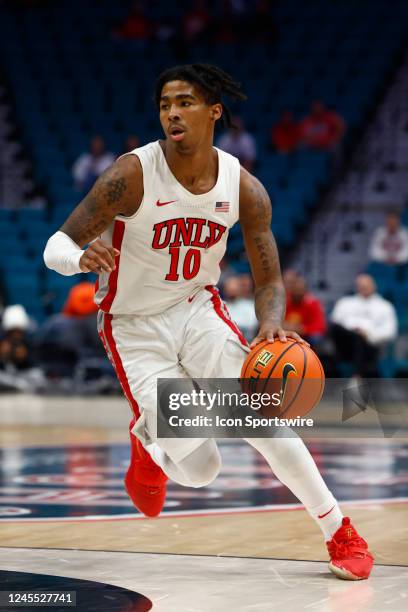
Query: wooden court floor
x=243 y=543
x=250 y=529
x=279 y=535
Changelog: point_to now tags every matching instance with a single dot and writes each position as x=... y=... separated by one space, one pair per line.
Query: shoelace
x=353 y=545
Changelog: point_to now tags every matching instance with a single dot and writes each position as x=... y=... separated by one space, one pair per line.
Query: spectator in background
x=285 y=135
x=72 y=334
x=389 y=243
x=232 y=21
x=81 y=309
x=322 y=129
x=165 y=31
x=196 y=22
x=237 y=141
x=304 y=312
x=247 y=287
x=226 y=270
x=18 y=358
x=89 y=166
x=15 y=346
x=362 y=324
x=289 y=277
x=135 y=26
x=80 y=301
x=238 y=296
x=262 y=25
x=131 y=142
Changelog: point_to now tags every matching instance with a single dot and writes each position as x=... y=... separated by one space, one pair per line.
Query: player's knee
x=203 y=477
x=201 y=471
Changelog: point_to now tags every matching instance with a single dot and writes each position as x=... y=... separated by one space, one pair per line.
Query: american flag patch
x=222 y=206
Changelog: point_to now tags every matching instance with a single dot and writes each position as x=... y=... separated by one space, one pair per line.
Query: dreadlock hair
x=212 y=82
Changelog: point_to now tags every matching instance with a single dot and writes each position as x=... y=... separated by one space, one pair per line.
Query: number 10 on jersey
x=189 y=267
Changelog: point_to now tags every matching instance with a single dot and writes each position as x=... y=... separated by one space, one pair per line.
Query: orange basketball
x=290 y=371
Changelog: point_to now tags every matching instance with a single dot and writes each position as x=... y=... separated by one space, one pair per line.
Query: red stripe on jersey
x=117 y=363
x=117 y=237
x=222 y=311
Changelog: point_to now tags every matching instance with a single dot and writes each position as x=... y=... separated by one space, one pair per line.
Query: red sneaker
x=349 y=555
x=145 y=482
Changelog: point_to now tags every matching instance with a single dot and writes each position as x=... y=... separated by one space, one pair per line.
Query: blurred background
x=325 y=128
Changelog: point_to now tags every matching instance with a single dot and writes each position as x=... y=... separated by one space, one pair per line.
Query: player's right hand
x=99 y=257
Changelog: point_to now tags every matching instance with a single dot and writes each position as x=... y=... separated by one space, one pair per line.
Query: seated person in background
x=289 y=277
x=226 y=270
x=240 y=143
x=196 y=22
x=135 y=26
x=89 y=166
x=389 y=243
x=361 y=324
x=71 y=335
x=131 y=142
x=262 y=24
x=15 y=346
x=304 y=312
x=322 y=129
x=285 y=134
x=81 y=310
x=238 y=296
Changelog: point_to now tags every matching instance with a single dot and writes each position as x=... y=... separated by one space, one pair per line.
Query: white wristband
x=62 y=254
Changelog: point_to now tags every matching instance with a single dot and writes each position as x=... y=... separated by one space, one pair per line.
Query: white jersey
x=172 y=246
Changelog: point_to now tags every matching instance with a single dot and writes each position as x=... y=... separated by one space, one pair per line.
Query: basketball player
x=156 y=226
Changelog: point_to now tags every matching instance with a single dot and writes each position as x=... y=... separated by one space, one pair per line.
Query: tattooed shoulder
x=114 y=185
x=115 y=189
x=119 y=190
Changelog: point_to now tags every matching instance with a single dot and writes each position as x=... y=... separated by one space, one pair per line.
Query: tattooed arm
x=119 y=190
x=255 y=214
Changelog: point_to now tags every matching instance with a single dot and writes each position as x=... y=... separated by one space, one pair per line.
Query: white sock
x=293 y=464
x=328 y=516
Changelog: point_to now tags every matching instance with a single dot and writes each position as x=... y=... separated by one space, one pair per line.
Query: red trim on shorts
x=222 y=311
x=117 y=362
x=117 y=237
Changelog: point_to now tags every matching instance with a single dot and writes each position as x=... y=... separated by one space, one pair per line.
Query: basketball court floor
x=243 y=543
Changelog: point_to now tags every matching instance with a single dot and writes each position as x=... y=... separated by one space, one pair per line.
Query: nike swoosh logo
x=158 y=203
x=287 y=369
x=323 y=515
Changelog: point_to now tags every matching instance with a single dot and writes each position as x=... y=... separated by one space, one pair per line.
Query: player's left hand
x=271 y=332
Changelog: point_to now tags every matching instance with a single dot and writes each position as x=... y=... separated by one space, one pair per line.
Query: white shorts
x=194 y=339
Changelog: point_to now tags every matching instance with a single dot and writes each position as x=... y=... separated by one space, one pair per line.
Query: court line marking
x=174 y=554
x=209 y=512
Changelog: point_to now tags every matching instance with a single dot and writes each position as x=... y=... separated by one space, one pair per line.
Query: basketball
x=290 y=369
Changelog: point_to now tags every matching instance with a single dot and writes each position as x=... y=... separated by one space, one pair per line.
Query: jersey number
x=191 y=264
